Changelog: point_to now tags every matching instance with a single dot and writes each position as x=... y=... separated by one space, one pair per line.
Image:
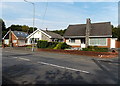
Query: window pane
x=98 y=41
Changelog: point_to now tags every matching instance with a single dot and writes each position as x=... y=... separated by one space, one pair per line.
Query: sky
x=58 y=15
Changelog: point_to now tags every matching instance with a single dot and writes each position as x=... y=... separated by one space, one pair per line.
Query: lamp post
x=33 y=22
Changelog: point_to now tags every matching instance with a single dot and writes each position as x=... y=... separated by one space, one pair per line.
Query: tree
x=3 y=29
x=23 y=28
x=116 y=32
x=15 y=28
x=61 y=32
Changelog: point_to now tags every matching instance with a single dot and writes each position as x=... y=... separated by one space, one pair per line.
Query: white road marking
x=63 y=67
x=15 y=57
x=55 y=65
x=24 y=59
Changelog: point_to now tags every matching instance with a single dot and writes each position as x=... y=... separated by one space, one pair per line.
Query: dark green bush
x=51 y=45
x=61 y=45
x=42 y=44
x=101 y=49
x=95 y=48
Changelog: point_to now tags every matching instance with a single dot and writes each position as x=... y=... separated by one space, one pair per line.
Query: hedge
x=52 y=45
x=95 y=48
x=42 y=44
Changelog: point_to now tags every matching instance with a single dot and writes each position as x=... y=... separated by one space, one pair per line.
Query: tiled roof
x=20 y=35
x=53 y=35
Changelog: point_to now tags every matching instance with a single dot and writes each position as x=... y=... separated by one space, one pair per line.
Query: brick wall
x=117 y=44
x=14 y=38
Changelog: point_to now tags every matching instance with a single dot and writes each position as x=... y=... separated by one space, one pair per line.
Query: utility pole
x=33 y=22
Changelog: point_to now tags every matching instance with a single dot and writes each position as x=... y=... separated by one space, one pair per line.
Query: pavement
x=26 y=67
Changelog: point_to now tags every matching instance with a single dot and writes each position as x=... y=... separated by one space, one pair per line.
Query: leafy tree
x=3 y=29
x=23 y=28
x=15 y=27
x=118 y=35
x=116 y=32
x=61 y=32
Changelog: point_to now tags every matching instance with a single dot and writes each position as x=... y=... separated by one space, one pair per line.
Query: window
x=72 y=40
x=14 y=41
x=34 y=40
x=83 y=41
x=98 y=41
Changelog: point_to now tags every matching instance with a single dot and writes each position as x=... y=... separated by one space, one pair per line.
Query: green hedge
x=42 y=44
x=52 y=45
x=61 y=45
x=95 y=48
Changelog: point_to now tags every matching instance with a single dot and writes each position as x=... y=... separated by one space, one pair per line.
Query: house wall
x=77 y=43
x=39 y=35
x=113 y=43
x=36 y=35
x=21 y=42
x=13 y=40
x=117 y=44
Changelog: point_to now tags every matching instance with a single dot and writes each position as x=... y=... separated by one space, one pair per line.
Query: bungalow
x=15 y=38
x=43 y=35
x=90 y=34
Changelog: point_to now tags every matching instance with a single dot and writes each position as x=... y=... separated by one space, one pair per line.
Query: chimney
x=88 y=27
x=46 y=29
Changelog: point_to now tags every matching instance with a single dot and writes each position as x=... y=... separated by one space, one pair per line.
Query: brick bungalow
x=15 y=38
x=90 y=34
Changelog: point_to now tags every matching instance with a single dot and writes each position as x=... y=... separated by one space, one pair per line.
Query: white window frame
x=98 y=44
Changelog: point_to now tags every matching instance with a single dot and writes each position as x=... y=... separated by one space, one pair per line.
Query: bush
x=95 y=48
x=42 y=44
x=61 y=45
x=51 y=45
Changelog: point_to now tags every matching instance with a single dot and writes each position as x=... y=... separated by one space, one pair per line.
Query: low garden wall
x=86 y=53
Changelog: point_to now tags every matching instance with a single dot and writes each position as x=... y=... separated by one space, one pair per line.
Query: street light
x=33 y=21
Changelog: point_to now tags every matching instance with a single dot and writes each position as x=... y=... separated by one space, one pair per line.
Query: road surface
x=25 y=67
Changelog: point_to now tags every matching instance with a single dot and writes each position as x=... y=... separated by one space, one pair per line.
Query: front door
x=82 y=42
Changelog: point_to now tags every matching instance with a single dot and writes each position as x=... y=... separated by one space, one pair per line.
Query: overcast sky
x=59 y=14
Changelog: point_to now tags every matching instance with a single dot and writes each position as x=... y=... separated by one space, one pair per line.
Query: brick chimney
x=88 y=27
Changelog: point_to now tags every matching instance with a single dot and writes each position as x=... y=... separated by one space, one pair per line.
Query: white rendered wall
x=112 y=45
x=36 y=35
x=76 y=43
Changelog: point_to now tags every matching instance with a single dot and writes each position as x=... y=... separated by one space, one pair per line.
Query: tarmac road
x=25 y=67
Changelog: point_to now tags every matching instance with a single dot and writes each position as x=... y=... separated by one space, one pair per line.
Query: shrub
x=95 y=48
x=61 y=45
x=101 y=49
x=51 y=45
x=42 y=44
